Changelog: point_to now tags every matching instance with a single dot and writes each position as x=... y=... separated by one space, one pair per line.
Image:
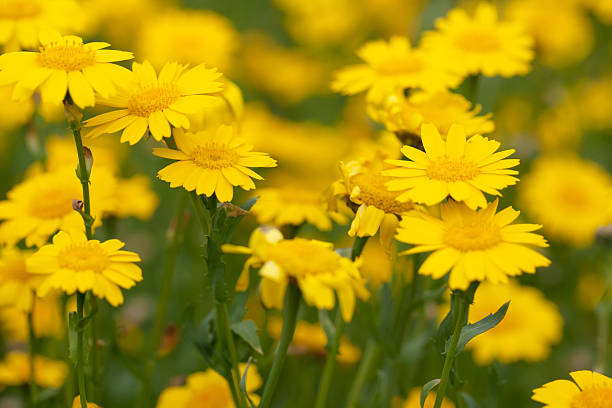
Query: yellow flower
x=15 y=370
x=64 y=64
x=558 y=128
x=311 y=338
x=457 y=168
x=377 y=264
x=208 y=389
x=13 y=113
x=474 y=245
x=74 y=263
x=569 y=195
x=133 y=197
x=17 y=284
x=481 y=44
x=594 y=102
x=414 y=400
x=76 y=403
x=106 y=152
x=590 y=390
x=212 y=163
x=313 y=265
x=392 y=67
x=155 y=102
x=48 y=320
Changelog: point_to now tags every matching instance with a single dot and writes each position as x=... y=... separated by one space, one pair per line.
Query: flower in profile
x=569 y=195
x=481 y=44
x=74 y=263
x=212 y=162
x=589 y=390
x=154 y=102
x=15 y=370
x=76 y=403
x=208 y=389
x=457 y=168
x=414 y=400
x=313 y=265
x=474 y=245
x=64 y=64
x=392 y=67
x=17 y=284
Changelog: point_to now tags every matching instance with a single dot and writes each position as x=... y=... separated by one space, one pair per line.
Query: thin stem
x=201 y=213
x=603 y=312
x=33 y=390
x=472 y=88
x=330 y=363
x=367 y=364
x=83 y=175
x=81 y=351
x=290 y=311
x=223 y=327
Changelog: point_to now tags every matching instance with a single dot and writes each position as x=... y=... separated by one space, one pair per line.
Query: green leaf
x=243 y=386
x=444 y=331
x=427 y=388
x=247 y=331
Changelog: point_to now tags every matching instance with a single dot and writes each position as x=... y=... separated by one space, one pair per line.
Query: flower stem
x=225 y=333
x=81 y=351
x=290 y=311
x=367 y=364
x=330 y=363
x=32 y=338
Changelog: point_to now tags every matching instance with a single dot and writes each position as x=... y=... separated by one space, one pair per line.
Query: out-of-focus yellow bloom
x=189 y=37
x=558 y=129
x=17 y=284
x=76 y=403
x=590 y=390
x=47 y=317
x=15 y=370
x=72 y=262
x=376 y=264
x=133 y=197
x=227 y=109
x=61 y=153
x=64 y=64
x=458 y=168
x=313 y=265
x=152 y=102
x=13 y=113
x=602 y=9
x=594 y=103
x=414 y=400
x=569 y=196
x=212 y=163
x=542 y=18
x=208 y=389
x=311 y=338
x=394 y=17
x=591 y=287
x=481 y=43
x=473 y=245
x=513 y=118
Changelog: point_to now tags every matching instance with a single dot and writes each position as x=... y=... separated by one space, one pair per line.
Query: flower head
x=589 y=390
x=15 y=370
x=64 y=64
x=474 y=245
x=17 y=284
x=154 y=102
x=74 y=263
x=457 y=168
x=212 y=163
x=47 y=318
x=76 y=403
x=414 y=400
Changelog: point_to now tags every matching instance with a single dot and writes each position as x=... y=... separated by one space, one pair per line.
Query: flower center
x=593 y=398
x=400 y=65
x=53 y=203
x=574 y=197
x=472 y=235
x=19 y=9
x=301 y=257
x=87 y=256
x=372 y=191
x=452 y=169
x=68 y=55
x=214 y=156
x=151 y=99
x=214 y=395
x=478 y=41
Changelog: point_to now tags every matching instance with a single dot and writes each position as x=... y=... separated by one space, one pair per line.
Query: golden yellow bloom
x=76 y=403
x=208 y=389
x=15 y=370
x=74 y=263
x=133 y=197
x=311 y=338
x=377 y=264
x=594 y=103
x=17 y=284
x=569 y=195
x=457 y=168
x=61 y=153
x=152 y=102
x=391 y=67
x=212 y=163
x=481 y=44
x=590 y=390
x=558 y=128
x=590 y=289
x=479 y=245
x=64 y=64
x=319 y=272
x=13 y=113
x=414 y=400
x=48 y=320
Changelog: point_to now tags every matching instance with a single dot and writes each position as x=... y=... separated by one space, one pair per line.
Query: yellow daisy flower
x=152 y=102
x=15 y=370
x=64 y=64
x=17 y=284
x=47 y=317
x=74 y=263
x=13 y=113
x=457 y=168
x=569 y=195
x=414 y=400
x=212 y=163
x=481 y=44
x=473 y=245
x=392 y=67
x=590 y=390
x=312 y=265
x=133 y=197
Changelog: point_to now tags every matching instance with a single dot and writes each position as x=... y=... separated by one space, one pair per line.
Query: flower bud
x=72 y=113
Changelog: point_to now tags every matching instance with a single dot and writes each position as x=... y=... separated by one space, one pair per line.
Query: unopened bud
x=88 y=159
x=170 y=339
x=72 y=113
x=77 y=205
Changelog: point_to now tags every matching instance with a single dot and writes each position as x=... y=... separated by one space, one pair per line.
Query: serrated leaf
x=247 y=331
x=427 y=389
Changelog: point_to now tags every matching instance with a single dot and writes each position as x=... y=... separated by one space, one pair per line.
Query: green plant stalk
x=290 y=311
x=225 y=333
x=368 y=362
x=163 y=299
x=32 y=348
x=81 y=351
x=330 y=363
x=462 y=305
x=604 y=314
x=83 y=175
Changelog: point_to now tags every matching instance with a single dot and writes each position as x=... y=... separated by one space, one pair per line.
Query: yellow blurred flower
x=589 y=390
x=590 y=290
x=74 y=263
x=473 y=245
x=17 y=284
x=414 y=400
x=569 y=196
x=227 y=109
x=13 y=113
x=76 y=403
x=47 y=317
x=61 y=153
x=133 y=197
x=558 y=128
x=377 y=263
x=594 y=103
x=15 y=370
x=394 y=17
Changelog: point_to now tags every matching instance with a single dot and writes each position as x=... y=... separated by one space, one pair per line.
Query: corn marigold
x=414 y=400
x=457 y=168
x=589 y=390
x=15 y=370
x=154 y=102
x=474 y=245
x=212 y=163
x=17 y=284
x=72 y=262
x=47 y=319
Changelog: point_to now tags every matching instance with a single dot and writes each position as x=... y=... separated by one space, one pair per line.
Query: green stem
x=83 y=175
x=330 y=363
x=604 y=313
x=367 y=364
x=290 y=311
x=33 y=390
x=81 y=351
x=225 y=333
x=472 y=88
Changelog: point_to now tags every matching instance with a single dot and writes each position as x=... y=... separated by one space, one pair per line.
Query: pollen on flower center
x=214 y=156
x=89 y=256
x=66 y=56
x=452 y=169
x=19 y=9
x=301 y=257
x=398 y=66
x=472 y=235
x=372 y=191
x=478 y=41
x=593 y=398
x=153 y=99
x=52 y=203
